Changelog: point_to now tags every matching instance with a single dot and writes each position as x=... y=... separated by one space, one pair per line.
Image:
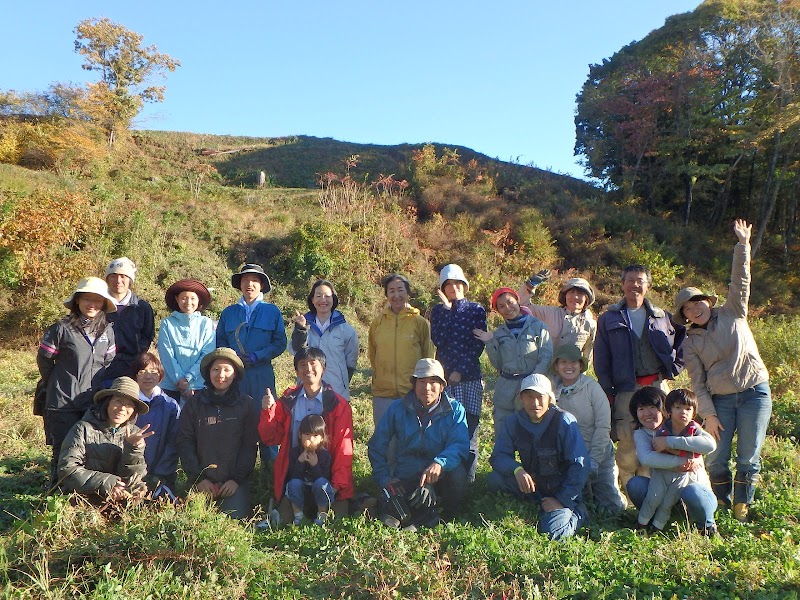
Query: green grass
x=53 y=548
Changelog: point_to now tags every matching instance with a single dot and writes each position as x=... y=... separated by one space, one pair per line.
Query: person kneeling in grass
x=431 y=452
x=218 y=435
x=102 y=456
x=583 y=398
x=553 y=461
x=280 y=421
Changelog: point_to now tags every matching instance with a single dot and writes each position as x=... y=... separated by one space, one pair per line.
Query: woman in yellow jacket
x=398 y=338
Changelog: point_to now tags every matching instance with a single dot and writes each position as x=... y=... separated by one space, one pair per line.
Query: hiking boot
x=709 y=531
x=740 y=510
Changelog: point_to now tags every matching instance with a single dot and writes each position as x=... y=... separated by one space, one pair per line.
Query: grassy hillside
x=180 y=212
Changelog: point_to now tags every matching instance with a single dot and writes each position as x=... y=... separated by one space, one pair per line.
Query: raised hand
x=267 y=400
x=300 y=320
x=482 y=335
x=445 y=301
x=137 y=440
x=742 y=231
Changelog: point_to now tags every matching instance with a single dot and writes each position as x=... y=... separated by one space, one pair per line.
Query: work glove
x=540 y=277
x=424 y=496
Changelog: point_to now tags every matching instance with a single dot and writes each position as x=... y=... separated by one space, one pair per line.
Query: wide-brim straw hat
x=93 y=285
x=581 y=284
x=187 y=285
x=224 y=353
x=236 y=278
x=128 y=389
x=691 y=293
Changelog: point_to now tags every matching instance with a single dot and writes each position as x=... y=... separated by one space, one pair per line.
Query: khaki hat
x=225 y=353
x=123 y=266
x=428 y=367
x=93 y=285
x=576 y=282
x=690 y=293
x=187 y=285
x=454 y=272
x=236 y=278
x=128 y=389
x=569 y=352
x=538 y=383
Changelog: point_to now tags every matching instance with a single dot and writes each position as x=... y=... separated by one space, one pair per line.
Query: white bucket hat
x=93 y=285
x=454 y=272
x=122 y=266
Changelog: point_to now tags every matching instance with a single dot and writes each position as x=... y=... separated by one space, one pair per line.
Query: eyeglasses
x=149 y=372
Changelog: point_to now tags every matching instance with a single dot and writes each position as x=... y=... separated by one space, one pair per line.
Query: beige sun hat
x=691 y=293
x=576 y=282
x=128 y=389
x=428 y=367
x=93 y=285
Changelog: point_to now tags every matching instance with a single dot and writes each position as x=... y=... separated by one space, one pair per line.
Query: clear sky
x=498 y=77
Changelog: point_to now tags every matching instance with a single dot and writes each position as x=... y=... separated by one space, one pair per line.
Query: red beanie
x=499 y=292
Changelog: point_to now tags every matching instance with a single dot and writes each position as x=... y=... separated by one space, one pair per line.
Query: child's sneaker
x=263 y=525
x=298 y=518
x=321 y=518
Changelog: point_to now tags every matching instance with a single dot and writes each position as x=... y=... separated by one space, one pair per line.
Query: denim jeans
x=699 y=499
x=555 y=524
x=298 y=492
x=472 y=460
x=746 y=413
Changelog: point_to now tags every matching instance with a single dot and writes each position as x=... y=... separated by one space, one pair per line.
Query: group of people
x=120 y=417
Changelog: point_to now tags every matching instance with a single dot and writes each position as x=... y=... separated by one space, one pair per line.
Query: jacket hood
x=408 y=311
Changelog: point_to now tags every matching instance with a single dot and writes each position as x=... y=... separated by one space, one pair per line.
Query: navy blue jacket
x=521 y=435
x=457 y=348
x=613 y=348
x=161 y=452
x=134 y=330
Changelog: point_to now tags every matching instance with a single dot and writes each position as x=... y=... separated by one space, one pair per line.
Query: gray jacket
x=72 y=368
x=518 y=356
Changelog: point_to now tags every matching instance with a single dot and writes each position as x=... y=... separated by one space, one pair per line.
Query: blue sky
x=500 y=78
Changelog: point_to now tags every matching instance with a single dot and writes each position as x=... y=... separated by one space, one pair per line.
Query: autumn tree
x=126 y=69
x=701 y=116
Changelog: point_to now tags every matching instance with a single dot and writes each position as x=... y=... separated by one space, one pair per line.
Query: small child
x=310 y=471
x=664 y=489
x=161 y=453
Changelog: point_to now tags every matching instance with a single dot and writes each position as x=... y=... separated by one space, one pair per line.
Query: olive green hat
x=225 y=353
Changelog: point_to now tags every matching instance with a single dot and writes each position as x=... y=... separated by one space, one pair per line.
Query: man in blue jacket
x=637 y=345
x=254 y=329
x=432 y=447
x=553 y=463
